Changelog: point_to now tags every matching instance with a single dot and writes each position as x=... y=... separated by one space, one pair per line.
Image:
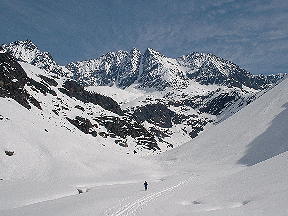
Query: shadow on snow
x=270 y=143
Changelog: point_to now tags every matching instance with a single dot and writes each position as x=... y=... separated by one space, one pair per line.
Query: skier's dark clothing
x=145 y=185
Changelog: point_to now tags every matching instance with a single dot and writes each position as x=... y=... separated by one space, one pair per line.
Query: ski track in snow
x=133 y=207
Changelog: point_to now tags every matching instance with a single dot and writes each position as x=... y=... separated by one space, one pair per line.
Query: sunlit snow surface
x=238 y=167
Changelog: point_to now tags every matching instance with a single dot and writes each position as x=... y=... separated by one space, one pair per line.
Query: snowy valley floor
x=258 y=190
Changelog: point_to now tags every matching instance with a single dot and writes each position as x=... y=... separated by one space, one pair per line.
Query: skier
x=145 y=185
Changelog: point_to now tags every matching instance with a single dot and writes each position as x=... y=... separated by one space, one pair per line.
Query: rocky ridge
x=28 y=52
x=120 y=68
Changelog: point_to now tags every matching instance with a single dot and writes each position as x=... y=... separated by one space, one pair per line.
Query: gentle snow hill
x=254 y=134
x=259 y=190
x=238 y=167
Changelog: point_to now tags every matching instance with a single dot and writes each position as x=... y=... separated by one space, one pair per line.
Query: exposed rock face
x=13 y=80
x=41 y=87
x=216 y=104
x=157 y=114
x=127 y=126
x=210 y=69
x=48 y=80
x=153 y=75
x=73 y=89
x=84 y=125
x=120 y=68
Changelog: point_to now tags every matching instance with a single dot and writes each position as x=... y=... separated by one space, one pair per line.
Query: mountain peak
x=150 y=51
x=27 y=51
x=24 y=50
x=119 y=67
x=26 y=44
x=2 y=50
x=122 y=68
x=134 y=49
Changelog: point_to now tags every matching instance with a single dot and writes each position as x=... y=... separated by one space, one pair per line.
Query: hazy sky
x=251 y=33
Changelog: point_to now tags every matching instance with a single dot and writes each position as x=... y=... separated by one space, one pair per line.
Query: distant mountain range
x=139 y=101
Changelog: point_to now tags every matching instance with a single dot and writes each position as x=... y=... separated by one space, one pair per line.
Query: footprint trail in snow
x=133 y=207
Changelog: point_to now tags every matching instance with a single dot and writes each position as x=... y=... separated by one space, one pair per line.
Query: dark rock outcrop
x=124 y=127
x=13 y=80
x=152 y=75
x=216 y=105
x=48 y=80
x=43 y=88
x=84 y=125
x=157 y=114
x=73 y=89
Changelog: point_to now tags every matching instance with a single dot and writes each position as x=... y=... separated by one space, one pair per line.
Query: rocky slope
x=143 y=101
x=120 y=68
x=69 y=105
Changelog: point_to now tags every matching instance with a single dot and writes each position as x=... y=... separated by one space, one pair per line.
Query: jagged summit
x=122 y=69
x=150 y=51
x=207 y=68
x=28 y=52
x=160 y=72
x=24 y=50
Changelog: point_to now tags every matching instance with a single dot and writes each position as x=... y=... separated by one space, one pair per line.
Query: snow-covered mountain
x=120 y=68
x=28 y=52
x=160 y=72
x=61 y=99
x=182 y=95
x=237 y=167
x=148 y=101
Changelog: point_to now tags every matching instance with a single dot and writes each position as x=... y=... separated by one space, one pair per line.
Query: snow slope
x=122 y=96
x=254 y=134
x=49 y=155
x=238 y=167
x=43 y=156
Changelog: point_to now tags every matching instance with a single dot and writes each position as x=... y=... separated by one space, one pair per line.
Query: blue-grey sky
x=251 y=33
